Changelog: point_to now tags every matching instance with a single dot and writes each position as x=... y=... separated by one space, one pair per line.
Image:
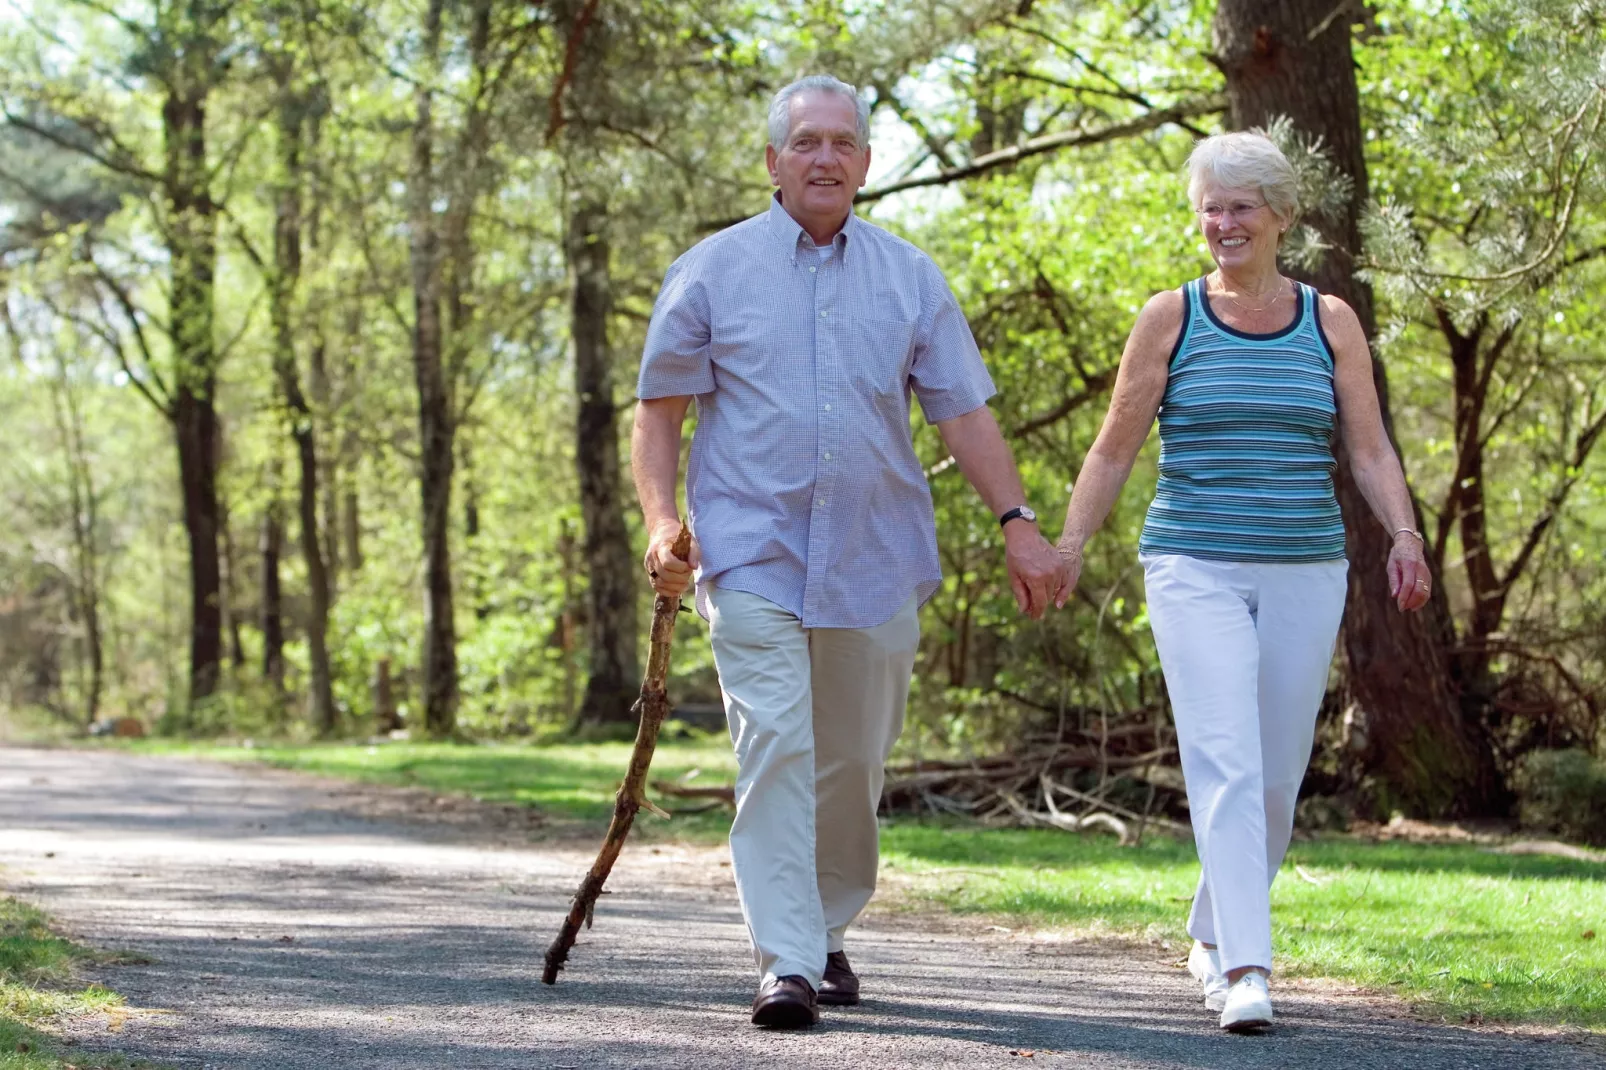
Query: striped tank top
x=1247 y=429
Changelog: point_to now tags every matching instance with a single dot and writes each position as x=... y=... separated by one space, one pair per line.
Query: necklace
x=1276 y=295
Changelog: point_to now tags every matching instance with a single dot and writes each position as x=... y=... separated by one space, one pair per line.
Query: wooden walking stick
x=652 y=707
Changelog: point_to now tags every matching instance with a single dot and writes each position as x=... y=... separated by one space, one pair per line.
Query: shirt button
x=828 y=408
x=822 y=315
x=812 y=270
x=828 y=455
x=819 y=502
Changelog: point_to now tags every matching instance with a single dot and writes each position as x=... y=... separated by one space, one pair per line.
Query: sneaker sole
x=1249 y=1025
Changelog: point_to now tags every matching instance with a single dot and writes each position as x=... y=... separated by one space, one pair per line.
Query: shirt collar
x=792 y=234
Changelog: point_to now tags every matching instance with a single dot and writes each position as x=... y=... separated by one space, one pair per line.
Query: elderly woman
x=1252 y=375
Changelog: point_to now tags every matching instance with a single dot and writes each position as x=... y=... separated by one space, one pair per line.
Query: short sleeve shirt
x=803 y=486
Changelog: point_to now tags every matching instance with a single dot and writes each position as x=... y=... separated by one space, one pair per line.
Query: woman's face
x=1241 y=230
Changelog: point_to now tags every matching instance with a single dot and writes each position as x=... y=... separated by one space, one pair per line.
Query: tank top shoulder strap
x=1193 y=316
x=1310 y=313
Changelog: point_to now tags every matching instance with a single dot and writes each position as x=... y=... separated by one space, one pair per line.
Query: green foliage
x=1564 y=792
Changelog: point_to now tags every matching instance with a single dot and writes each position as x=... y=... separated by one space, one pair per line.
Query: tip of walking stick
x=682 y=544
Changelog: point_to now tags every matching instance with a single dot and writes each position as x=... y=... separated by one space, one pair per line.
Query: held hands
x=668 y=574
x=1070 y=556
x=1037 y=574
x=1410 y=583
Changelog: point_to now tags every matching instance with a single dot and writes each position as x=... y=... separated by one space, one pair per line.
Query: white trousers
x=813 y=715
x=1245 y=647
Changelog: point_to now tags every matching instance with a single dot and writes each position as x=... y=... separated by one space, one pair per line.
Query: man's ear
x=770 y=160
x=866 y=177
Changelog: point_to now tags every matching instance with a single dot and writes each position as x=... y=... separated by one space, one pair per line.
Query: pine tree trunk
x=1293 y=58
x=435 y=427
x=609 y=561
x=192 y=264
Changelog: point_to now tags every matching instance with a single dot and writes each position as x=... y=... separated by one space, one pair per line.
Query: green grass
x=1457 y=929
x=37 y=985
x=1460 y=930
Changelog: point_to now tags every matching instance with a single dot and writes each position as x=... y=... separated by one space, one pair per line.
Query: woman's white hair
x=781 y=106
x=1245 y=159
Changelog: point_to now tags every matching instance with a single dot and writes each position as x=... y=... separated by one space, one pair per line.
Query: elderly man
x=801 y=333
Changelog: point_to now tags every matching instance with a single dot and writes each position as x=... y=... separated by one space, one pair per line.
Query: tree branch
x=1052 y=143
x=1582 y=446
x=1095 y=386
x=128 y=168
x=571 y=56
x=161 y=397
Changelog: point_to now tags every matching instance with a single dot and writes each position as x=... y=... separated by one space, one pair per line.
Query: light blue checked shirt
x=803 y=486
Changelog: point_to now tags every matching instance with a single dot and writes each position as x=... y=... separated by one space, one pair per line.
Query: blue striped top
x=1247 y=430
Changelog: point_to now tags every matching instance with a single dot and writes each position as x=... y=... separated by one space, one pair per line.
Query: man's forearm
x=984 y=457
x=655 y=457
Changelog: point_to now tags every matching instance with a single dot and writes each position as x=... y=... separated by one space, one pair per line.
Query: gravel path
x=294 y=922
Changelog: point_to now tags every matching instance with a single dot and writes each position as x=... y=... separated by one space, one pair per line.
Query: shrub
x=1563 y=791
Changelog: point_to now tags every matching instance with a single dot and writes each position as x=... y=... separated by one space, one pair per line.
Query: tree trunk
x=195 y=429
x=1401 y=673
x=321 y=393
x=229 y=581
x=348 y=459
x=322 y=700
x=477 y=593
x=270 y=547
x=284 y=277
x=192 y=263
x=609 y=560
x=82 y=500
x=435 y=425
x=350 y=521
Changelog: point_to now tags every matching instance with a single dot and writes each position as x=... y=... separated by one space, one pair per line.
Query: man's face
x=822 y=165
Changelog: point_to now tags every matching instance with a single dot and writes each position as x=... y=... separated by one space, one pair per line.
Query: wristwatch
x=1020 y=512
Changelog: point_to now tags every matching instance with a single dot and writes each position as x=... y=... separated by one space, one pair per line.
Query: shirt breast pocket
x=882 y=351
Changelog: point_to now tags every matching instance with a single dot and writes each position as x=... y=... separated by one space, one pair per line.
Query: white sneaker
x=1205 y=965
x=1248 y=1005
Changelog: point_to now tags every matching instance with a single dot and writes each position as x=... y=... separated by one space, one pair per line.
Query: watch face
x=1027 y=514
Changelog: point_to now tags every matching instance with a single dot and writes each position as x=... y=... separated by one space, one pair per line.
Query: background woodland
x=321 y=319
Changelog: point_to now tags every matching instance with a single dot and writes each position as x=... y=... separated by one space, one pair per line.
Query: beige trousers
x=813 y=715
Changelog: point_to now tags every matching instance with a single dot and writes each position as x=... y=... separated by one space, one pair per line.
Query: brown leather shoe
x=785 y=1003
x=840 y=985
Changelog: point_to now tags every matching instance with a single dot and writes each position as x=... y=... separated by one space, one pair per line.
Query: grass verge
x=37 y=986
x=571 y=782
x=1460 y=930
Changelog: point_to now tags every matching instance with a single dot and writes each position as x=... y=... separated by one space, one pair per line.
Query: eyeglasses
x=1215 y=212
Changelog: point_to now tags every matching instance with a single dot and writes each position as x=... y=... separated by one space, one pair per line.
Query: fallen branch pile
x=1119 y=781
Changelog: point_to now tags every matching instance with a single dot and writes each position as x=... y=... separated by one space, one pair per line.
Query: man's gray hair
x=781 y=106
x=1246 y=159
